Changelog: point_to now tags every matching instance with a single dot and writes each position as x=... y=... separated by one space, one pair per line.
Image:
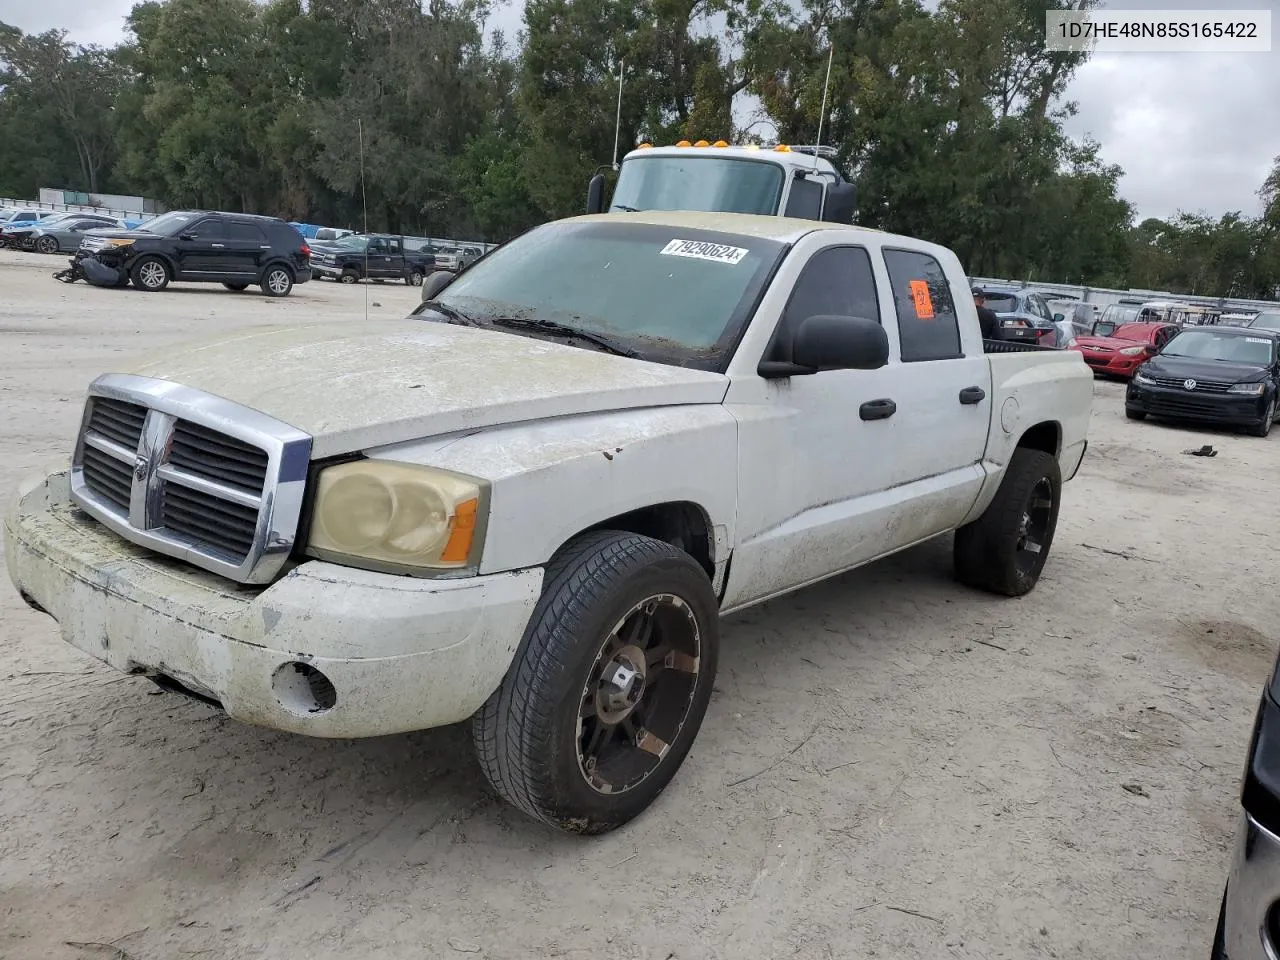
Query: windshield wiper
x=625 y=209
x=452 y=314
x=564 y=330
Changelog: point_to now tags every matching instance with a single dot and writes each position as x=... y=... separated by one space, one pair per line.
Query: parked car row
x=55 y=233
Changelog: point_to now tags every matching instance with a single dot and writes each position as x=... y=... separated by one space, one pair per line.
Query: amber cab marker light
x=683 y=143
x=782 y=148
x=645 y=146
x=702 y=143
x=721 y=143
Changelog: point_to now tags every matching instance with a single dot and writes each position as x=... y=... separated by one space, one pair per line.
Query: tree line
x=950 y=121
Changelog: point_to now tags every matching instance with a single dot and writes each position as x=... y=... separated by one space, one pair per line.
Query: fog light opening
x=302 y=689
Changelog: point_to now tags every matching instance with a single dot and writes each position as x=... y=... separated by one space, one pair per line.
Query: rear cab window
x=928 y=327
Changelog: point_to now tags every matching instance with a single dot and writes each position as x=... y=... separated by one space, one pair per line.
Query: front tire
x=1005 y=549
x=277 y=281
x=608 y=687
x=1263 y=428
x=349 y=276
x=150 y=274
x=47 y=245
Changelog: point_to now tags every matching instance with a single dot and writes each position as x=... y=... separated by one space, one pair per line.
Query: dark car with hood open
x=1223 y=375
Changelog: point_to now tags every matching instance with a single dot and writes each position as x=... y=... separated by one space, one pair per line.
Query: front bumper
x=1179 y=404
x=325 y=270
x=402 y=653
x=1113 y=364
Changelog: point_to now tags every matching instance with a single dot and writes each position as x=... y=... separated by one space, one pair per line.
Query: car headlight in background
x=1141 y=377
x=117 y=242
x=398 y=516
x=1132 y=351
x=1248 y=389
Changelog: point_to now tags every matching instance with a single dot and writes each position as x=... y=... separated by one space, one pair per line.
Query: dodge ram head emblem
x=140 y=468
x=1189 y=384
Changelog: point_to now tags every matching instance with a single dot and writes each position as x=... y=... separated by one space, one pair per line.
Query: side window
x=378 y=245
x=805 y=200
x=927 y=323
x=209 y=228
x=837 y=281
x=244 y=232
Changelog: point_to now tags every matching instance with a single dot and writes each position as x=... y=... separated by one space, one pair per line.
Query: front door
x=201 y=248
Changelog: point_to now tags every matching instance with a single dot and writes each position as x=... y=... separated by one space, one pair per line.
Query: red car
x=1125 y=349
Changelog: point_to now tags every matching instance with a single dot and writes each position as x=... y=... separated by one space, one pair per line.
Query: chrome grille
x=1201 y=386
x=191 y=475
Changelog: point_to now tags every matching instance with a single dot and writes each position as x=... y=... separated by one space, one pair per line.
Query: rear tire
x=415 y=278
x=150 y=274
x=236 y=286
x=608 y=687
x=1005 y=549
x=277 y=281
x=47 y=245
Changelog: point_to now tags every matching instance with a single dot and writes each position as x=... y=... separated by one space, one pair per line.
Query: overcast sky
x=1195 y=132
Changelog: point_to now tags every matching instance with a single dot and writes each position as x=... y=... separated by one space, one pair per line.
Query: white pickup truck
x=529 y=505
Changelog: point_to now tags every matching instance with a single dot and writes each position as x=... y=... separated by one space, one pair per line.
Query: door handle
x=877 y=410
x=972 y=395
x=218 y=245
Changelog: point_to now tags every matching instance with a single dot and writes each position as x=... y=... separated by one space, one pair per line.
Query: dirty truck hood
x=369 y=383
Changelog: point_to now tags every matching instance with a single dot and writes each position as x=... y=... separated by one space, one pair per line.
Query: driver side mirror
x=186 y=236
x=827 y=342
x=436 y=281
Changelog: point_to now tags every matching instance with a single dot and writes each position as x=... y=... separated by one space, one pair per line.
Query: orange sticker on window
x=924 y=303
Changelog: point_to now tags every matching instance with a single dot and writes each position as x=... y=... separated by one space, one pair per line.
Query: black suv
x=234 y=249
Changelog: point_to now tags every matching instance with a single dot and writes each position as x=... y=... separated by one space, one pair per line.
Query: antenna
x=617 y=125
x=826 y=86
x=364 y=212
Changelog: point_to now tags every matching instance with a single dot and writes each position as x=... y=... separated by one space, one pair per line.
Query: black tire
x=349 y=276
x=995 y=552
x=277 y=280
x=531 y=733
x=150 y=274
x=414 y=279
x=1263 y=428
x=235 y=286
x=47 y=245
x=1135 y=414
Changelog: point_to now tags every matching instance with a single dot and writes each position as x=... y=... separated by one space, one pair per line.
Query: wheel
x=349 y=276
x=47 y=245
x=1135 y=414
x=415 y=278
x=1263 y=428
x=236 y=286
x=277 y=281
x=608 y=687
x=150 y=274
x=1004 y=550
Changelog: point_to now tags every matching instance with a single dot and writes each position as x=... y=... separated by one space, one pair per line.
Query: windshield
x=698 y=183
x=1233 y=348
x=670 y=294
x=167 y=224
x=1266 y=321
x=351 y=242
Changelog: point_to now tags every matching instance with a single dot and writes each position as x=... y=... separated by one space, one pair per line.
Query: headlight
x=1141 y=377
x=118 y=243
x=1248 y=389
x=1132 y=351
x=397 y=516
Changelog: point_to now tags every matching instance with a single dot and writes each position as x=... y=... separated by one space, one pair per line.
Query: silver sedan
x=66 y=234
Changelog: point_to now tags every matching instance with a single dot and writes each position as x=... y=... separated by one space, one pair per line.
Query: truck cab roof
x=787 y=156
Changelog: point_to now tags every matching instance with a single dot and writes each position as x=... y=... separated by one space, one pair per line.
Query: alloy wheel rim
x=638 y=694
x=278 y=281
x=1033 y=528
x=152 y=274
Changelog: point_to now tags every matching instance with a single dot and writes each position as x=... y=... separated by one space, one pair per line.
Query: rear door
x=946 y=403
x=247 y=250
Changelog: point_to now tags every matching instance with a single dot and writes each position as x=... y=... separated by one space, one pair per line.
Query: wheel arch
x=1045 y=436
x=681 y=523
x=278 y=262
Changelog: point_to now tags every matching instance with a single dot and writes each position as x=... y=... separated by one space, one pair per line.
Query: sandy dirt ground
x=892 y=766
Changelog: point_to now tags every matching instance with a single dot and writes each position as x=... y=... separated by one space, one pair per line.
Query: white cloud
x=1195 y=132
